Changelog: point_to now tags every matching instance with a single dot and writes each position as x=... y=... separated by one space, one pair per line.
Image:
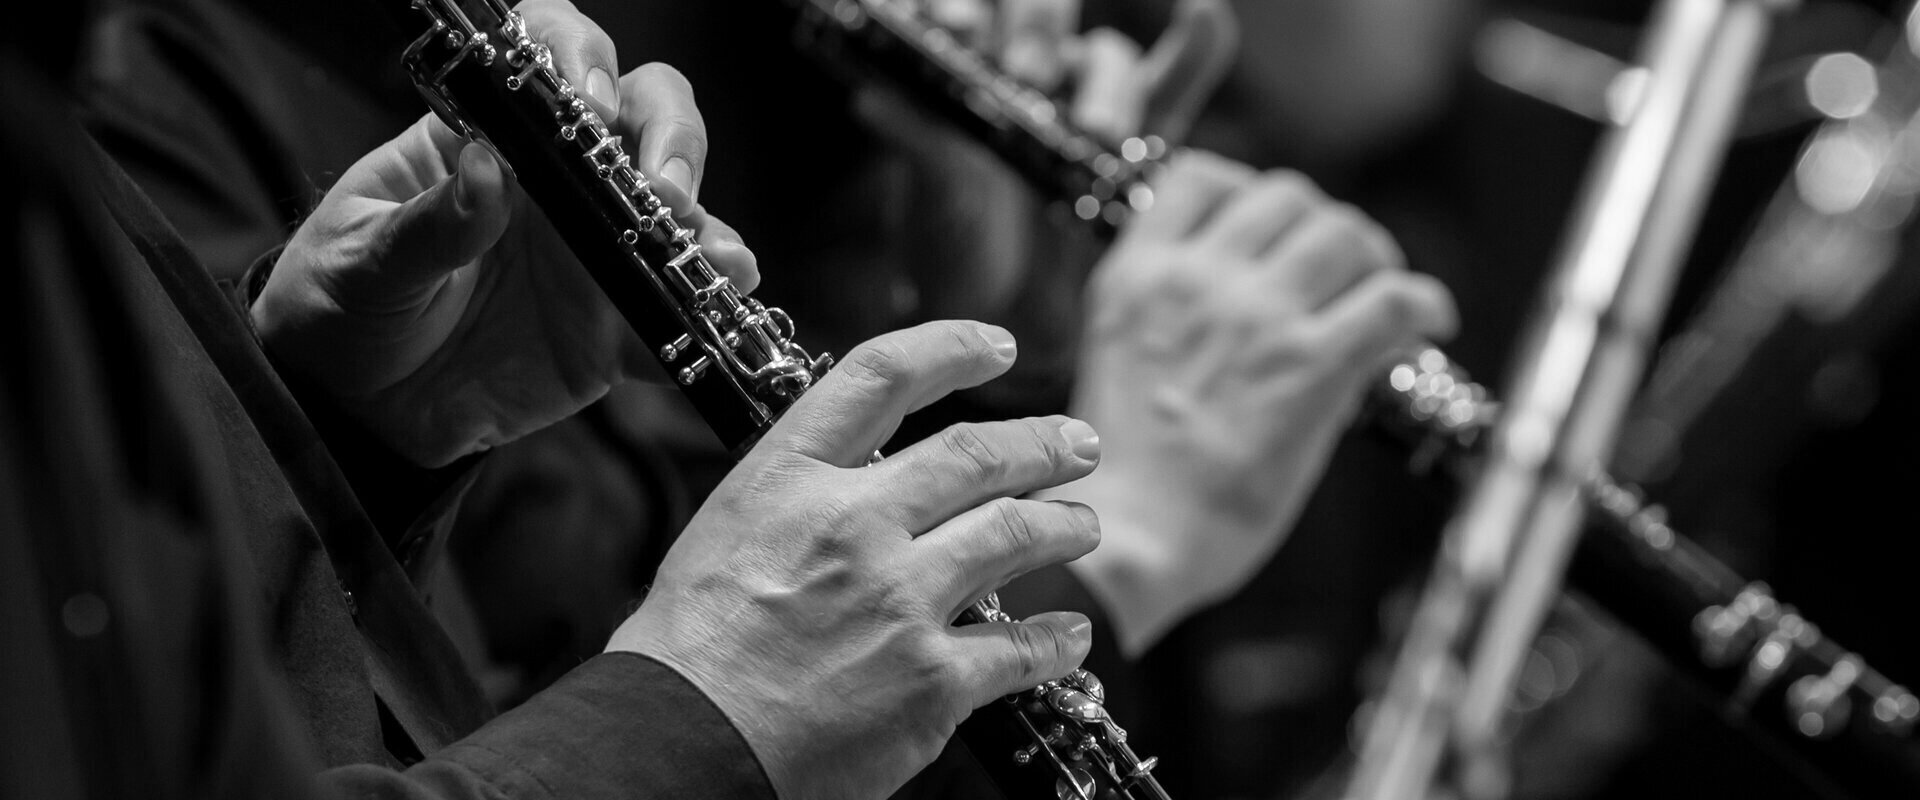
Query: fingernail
x=462 y=183
x=600 y=87
x=1086 y=515
x=1000 y=339
x=1082 y=439
x=680 y=173
x=462 y=190
x=1079 y=626
x=1076 y=623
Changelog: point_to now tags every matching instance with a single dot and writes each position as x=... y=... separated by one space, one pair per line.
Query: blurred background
x=1465 y=126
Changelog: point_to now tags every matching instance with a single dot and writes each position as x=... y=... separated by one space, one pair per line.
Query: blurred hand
x=812 y=596
x=1231 y=335
x=1114 y=90
x=975 y=228
x=435 y=303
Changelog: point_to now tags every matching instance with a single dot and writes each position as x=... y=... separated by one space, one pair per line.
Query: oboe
x=891 y=40
x=483 y=73
x=1770 y=664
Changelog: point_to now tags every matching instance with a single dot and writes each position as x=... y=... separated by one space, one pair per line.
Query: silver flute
x=1506 y=550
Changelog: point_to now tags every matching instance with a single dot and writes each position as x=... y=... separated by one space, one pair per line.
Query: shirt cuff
x=619 y=725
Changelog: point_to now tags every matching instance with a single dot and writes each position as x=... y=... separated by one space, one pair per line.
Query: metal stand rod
x=1505 y=550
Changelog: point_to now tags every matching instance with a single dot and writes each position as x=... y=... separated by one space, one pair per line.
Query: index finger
x=858 y=405
x=672 y=136
x=582 y=52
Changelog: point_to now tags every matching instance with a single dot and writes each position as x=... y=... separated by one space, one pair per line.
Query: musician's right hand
x=1113 y=88
x=978 y=243
x=811 y=597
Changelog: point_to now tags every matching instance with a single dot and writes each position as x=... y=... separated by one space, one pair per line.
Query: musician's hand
x=977 y=229
x=1231 y=334
x=435 y=303
x=1113 y=89
x=811 y=597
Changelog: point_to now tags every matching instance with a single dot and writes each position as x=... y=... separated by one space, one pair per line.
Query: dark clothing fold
x=197 y=602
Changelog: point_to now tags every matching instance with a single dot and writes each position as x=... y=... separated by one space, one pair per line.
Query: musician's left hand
x=434 y=303
x=1231 y=334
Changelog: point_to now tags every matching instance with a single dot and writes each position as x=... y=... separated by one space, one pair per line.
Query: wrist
x=426 y=430
x=753 y=707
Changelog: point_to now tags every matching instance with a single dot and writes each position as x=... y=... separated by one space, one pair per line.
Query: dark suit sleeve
x=579 y=739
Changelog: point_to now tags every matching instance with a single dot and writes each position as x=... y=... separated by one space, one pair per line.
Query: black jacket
x=196 y=601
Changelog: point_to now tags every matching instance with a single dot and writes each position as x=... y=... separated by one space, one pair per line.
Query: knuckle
x=933 y=661
x=1385 y=249
x=1010 y=517
x=1345 y=230
x=1398 y=305
x=1174 y=287
x=890 y=603
x=881 y=365
x=569 y=32
x=1230 y=171
x=1292 y=183
x=838 y=526
x=664 y=76
x=926 y=662
x=688 y=133
x=1129 y=273
x=1048 y=443
x=1034 y=647
x=1346 y=220
x=1024 y=653
x=1367 y=230
x=966 y=443
x=927 y=654
x=535 y=8
x=1423 y=283
x=949 y=690
x=1205 y=167
x=966 y=339
x=1256 y=304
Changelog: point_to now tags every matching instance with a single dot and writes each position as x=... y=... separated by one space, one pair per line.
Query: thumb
x=1187 y=64
x=447 y=226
